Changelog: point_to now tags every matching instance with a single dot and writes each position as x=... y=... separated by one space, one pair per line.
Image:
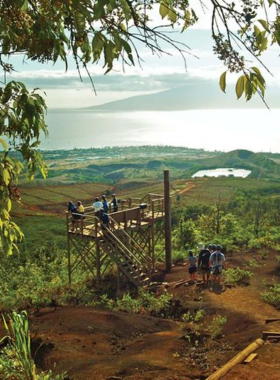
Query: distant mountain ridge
x=195 y=95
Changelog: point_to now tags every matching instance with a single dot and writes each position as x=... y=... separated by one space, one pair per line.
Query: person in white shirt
x=97 y=206
x=217 y=263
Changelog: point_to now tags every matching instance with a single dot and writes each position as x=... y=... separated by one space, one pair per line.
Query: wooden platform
x=128 y=219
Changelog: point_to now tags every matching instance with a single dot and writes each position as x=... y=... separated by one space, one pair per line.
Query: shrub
x=146 y=301
x=194 y=317
x=272 y=296
x=179 y=257
x=253 y=263
x=238 y=276
x=217 y=325
x=128 y=304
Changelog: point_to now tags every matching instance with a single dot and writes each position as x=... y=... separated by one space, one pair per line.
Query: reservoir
x=222 y=172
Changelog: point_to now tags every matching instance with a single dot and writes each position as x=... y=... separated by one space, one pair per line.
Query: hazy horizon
x=223 y=130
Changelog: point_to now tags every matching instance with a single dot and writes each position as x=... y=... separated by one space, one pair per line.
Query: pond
x=222 y=172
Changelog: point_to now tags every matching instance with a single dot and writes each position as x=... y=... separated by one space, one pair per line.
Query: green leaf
x=163 y=9
x=6 y=176
x=248 y=89
x=223 y=81
x=172 y=16
x=97 y=45
x=3 y=143
x=80 y=22
x=126 y=10
x=239 y=88
x=264 y=25
x=127 y=49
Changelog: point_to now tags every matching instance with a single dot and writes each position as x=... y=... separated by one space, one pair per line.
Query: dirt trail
x=95 y=344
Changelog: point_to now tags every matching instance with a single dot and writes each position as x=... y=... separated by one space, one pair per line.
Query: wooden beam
x=270 y=333
x=250 y=358
x=269 y=320
x=239 y=358
x=270 y=337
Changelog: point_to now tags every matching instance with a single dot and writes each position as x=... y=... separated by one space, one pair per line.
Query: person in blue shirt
x=105 y=204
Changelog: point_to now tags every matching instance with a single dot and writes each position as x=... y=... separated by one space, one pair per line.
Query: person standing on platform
x=114 y=202
x=74 y=212
x=105 y=204
x=81 y=212
x=97 y=205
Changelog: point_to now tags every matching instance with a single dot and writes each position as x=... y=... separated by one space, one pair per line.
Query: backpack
x=204 y=259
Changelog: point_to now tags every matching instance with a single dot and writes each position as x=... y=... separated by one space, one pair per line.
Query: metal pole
x=167 y=211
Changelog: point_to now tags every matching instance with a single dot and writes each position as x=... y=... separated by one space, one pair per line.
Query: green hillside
x=258 y=163
x=111 y=166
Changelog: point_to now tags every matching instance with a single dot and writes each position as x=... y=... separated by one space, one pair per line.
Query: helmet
x=200 y=246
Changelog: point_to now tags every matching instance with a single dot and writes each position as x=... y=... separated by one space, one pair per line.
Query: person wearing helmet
x=203 y=264
x=217 y=263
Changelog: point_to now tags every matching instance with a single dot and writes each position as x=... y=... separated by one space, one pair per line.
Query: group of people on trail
x=100 y=208
x=210 y=261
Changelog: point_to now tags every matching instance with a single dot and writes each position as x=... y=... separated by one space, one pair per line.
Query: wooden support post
x=239 y=358
x=98 y=265
x=68 y=249
x=167 y=210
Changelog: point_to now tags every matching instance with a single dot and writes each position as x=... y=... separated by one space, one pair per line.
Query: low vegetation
x=272 y=296
x=16 y=361
x=238 y=276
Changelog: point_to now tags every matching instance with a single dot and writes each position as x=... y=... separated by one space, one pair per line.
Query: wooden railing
x=133 y=211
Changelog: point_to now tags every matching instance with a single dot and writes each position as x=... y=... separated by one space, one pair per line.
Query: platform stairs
x=127 y=254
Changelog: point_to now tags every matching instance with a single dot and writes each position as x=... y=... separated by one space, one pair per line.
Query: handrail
x=156 y=195
x=143 y=254
x=123 y=246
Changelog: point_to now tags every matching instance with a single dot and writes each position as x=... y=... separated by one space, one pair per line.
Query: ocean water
x=223 y=130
